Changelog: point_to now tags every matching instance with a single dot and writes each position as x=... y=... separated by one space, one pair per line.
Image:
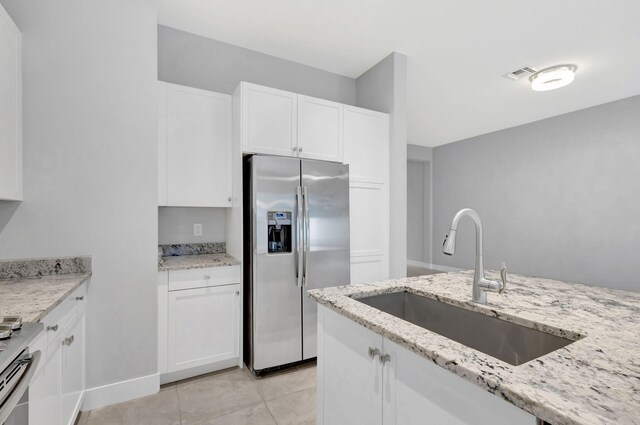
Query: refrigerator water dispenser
x=279 y=232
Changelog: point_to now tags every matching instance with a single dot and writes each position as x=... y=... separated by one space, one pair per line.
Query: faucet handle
x=503 y=277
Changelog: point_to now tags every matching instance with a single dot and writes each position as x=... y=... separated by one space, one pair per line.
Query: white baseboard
x=434 y=266
x=118 y=392
x=179 y=375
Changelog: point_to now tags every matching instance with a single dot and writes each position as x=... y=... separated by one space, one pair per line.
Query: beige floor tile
x=158 y=409
x=83 y=418
x=275 y=386
x=216 y=395
x=254 y=415
x=294 y=409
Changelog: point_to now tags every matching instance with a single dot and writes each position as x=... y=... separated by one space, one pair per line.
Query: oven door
x=15 y=382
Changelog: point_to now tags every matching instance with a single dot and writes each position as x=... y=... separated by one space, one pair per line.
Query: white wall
x=384 y=88
x=175 y=225
x=90 y=161
x=558 y=198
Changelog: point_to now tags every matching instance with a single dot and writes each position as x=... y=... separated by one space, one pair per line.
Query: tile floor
x=231 y=397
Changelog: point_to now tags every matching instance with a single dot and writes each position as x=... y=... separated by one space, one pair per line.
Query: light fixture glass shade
x=553 y=77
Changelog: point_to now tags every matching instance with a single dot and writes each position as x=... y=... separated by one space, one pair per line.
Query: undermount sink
x=509 y=342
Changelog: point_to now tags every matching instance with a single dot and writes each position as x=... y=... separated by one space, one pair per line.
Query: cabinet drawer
x=55 y=321
x=202 y=278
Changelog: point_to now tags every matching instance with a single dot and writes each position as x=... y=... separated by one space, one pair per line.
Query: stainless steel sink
x=509 y=342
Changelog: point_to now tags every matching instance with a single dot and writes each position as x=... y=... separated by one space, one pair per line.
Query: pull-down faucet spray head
x=449 y=244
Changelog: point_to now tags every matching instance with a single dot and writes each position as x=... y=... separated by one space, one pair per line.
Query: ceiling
x=457 y=51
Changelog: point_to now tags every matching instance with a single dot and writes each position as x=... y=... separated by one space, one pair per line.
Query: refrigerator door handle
x=307 y=235
x=299 y=237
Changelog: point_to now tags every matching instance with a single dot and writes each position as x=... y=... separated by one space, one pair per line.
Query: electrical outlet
x=197 y=229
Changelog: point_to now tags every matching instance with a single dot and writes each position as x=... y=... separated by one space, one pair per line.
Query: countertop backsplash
x=36 y=267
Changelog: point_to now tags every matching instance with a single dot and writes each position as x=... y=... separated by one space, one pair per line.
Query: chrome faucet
x=481 y=285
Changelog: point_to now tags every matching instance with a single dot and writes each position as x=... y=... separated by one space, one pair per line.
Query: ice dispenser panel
x=279 y=232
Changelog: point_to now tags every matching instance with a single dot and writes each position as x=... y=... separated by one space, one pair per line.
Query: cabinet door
x=44 y=390
x=203 y=326
x=369 y=229
x=320 y=129
x=269 y=120
x=414 y=389
x=10 y=108
x=349 y=380
x=366 y=144
x=72 y=370
x=198 y=143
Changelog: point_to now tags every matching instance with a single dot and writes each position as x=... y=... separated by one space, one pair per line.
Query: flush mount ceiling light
x=553 y=77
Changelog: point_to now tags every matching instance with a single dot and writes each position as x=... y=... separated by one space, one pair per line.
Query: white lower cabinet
x=72 y=370
x=44 y=390
x=199 y=317
x=203 y=326
x=355 y=387
x=57 y=388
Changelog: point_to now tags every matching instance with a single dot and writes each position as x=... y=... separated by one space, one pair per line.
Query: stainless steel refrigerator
x=296 y=217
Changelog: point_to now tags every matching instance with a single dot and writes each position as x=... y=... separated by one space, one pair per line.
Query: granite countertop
x=594 y=380
x=33 y=288
x=199 y=261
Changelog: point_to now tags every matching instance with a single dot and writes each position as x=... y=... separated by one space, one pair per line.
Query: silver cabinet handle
x=384 y=358
x=207 y=277
x=53 y=328
x=80 y=298
x=299 y=149
x=229 y=199
x=373 y=352
x=68 y=341
x=237 y=292
x=294 y=149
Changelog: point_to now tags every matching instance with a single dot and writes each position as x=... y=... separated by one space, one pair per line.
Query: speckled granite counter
x=34 y=297
x=184 y=262
x=32 y=288
x=595 y=380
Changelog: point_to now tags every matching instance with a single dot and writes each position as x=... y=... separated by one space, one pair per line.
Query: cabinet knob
x=299 y=149
x=237 y=292
x=80 y=298
x=384 y=358
x=294 y=149
x=207 y=277
x=229 y=199
x=53 y=328
x=68 y=341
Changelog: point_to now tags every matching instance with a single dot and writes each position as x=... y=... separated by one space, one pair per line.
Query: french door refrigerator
x=296 y=217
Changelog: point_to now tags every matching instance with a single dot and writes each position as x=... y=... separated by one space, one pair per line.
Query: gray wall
x=558 y=198
x=419 y=210
x=207 y=64
x=384 y=88
x=90 y=167
x=175 y=225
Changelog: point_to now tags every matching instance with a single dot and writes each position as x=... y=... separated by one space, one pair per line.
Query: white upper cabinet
x=10 y=109
x=195 y=147
x=268 y=120
x=320 y=129
x=366 y=144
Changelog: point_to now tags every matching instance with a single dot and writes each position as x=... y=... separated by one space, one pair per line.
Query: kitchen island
x=593 y=380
